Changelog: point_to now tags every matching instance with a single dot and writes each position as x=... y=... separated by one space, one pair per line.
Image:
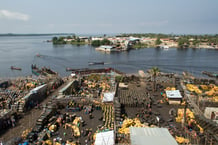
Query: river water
x=20 y=51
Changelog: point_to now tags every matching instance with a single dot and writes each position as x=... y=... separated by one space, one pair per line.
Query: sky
x=109 y=16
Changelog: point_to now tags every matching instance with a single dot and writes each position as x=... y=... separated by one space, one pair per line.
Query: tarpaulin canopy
x=105 y=138
x=173 y=94
x=108 y=97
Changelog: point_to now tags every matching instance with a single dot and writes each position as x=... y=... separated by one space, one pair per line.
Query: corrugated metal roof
x=65 y=87
x=173 y=94
x=37 y=88
x=151 y=136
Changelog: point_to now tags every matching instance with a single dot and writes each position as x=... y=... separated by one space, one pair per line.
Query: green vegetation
x=59 y=40
x=74 y=40
x=140 y=45
x=183 y=42
x=158 y=41
x=101 y=42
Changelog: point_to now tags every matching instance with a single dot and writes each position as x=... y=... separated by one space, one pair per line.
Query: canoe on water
x=15 y=68
x=96 y=63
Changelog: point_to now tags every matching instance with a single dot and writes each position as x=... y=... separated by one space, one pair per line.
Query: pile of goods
x=193 y=88
x=25 y=133
x=77 y=121
x=182 y=140
x=212 y=90
x=53 y=128
x=170 y=89
x=180 y=114
x=74 y=126
x=49 y=142
x=209 y=92
x=190 y=118
x=108 y=116
x=164 y=99
x=94 y=82
x=130 y=123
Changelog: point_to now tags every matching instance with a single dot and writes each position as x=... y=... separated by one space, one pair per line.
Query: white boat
x=164 y=47
x=106 y=48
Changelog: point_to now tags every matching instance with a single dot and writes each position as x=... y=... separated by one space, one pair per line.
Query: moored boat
x=45 y=71
x=164 y=47
x=96 y=63
x=15 y=68
x=106 y=48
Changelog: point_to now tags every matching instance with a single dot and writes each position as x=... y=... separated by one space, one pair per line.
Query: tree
x=154 y=71
x=59 y=40
x=183 y=42
x=54 y=39
x=96 y=43
x=69 y=37
x=158 y=41
x=77 y=40
x=105 y=42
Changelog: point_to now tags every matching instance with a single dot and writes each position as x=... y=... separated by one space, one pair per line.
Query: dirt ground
x=89 y=124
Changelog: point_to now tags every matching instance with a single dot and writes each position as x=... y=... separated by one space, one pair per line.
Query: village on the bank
x=106 y=106
x=125 y=42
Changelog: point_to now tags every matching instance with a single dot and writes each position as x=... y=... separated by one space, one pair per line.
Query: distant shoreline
x=48 y=34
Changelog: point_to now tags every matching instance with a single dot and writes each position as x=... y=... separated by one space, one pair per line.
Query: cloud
x=5 y=14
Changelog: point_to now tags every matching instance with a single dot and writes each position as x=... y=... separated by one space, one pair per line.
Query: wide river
x=20 y=51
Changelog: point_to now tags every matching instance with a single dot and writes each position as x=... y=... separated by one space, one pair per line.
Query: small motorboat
x=96 y=63
x=38 y=55
x=70 y=69
x=15 y=68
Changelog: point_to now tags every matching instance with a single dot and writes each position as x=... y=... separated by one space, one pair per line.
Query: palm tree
x=154 y=71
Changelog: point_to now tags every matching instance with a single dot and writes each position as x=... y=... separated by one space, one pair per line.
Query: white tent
x=108 y=97
x=105 y=138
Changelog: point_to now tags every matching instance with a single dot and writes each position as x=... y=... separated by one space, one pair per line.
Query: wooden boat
x=96 y=63
x=210 y=74
x=74 y=70
x=35 y=70
x=84 y=71
x=43 y=71
x=15 y=68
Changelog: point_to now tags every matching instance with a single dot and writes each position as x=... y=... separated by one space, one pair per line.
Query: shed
x=211 y=113
x=151 y=136
x=174 y=96
x=105 y=138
